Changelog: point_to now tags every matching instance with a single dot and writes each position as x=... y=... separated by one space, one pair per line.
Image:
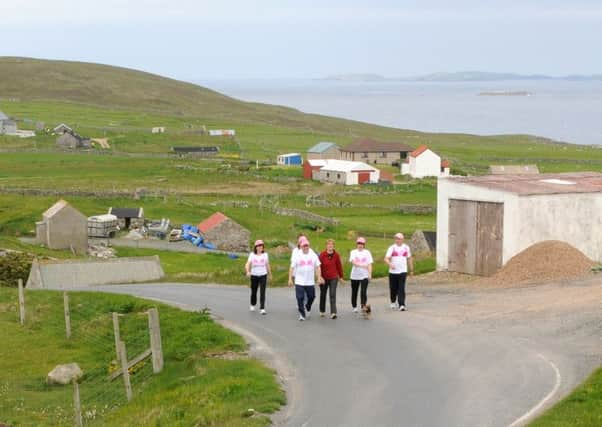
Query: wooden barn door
x=363 y=177
x=462 y=236
x=490 y=219
x=475 y=237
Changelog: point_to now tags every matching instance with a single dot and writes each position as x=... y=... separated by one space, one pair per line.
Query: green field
x=195 y=388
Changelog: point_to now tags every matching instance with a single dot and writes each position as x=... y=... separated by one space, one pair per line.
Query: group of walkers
x=326 y=269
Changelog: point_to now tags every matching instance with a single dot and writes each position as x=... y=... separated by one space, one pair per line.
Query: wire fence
x=80 y=327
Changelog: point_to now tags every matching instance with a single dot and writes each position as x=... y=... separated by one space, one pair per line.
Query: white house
x=158 y=129
x=346 y=172
x=483 y=221
x=222 y=132
x=423 y=162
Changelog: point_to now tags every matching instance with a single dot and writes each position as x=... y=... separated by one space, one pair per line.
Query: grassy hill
x=27 y=79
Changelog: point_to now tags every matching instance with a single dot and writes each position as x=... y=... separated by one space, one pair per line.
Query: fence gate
x=475 y=236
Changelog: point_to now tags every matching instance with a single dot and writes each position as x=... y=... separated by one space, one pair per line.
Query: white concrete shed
x=484 y=221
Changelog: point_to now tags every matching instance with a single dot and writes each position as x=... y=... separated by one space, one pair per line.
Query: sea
x=562 y=110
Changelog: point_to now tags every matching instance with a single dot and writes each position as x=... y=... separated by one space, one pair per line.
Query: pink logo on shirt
x=308 y=262
x=361 y=260
x=259 y=261
x=405 y=253
x=395 y=253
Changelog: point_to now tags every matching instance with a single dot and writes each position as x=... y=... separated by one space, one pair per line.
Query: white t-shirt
x=258 y=264
x=304 y=267
x=363 y=257
x=297 y=251
x=399 y=258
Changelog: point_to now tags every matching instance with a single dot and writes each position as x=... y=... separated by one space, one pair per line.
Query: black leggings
x=397 y=287
x=258 y=282
x=355 y=286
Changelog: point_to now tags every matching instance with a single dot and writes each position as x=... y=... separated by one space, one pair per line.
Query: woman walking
x=332 y=271
x=258 y=269
x=305 y=267
x=398 y=258
x=361 y=272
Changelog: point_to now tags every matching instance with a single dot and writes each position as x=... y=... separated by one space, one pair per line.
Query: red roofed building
x=225 y=233
x=423 y=162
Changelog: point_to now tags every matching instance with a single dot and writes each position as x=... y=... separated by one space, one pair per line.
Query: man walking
x=305 y=267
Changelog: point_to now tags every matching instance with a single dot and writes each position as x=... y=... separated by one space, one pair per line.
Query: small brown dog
x=366 y=311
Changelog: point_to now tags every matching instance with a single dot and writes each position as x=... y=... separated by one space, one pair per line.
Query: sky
x=227 y=39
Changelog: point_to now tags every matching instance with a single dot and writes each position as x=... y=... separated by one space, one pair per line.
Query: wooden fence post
x=21 y=302
x=67 y=315
x=117 y=334
x=125 y=372
x=77 y=406
x=155 y=340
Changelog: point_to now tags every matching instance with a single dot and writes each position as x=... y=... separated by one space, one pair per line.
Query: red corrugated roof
x=445 y=163
x=417 y=152
x=211 y=222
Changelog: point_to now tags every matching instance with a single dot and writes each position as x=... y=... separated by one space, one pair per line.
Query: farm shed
x=7 y=126
x=128 y=217
x=375 y=152
x=63 y=227
x=289 y=159
x=158 y=129
x=484 y=221
x=423 y=162
x=72 y=140
x=347 y=173
x=225 y=233
x=324 y=150
x=199 y=151
x=61 y=129
x=312 y=165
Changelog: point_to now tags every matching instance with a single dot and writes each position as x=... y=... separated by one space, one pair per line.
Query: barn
x=128 y=218
x=484 y=221
x=290 y=159
x=63 y=227
x=312 y=165
x=225 y=233
x=347 y=173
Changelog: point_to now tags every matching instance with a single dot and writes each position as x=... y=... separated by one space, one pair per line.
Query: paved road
x=418 y=368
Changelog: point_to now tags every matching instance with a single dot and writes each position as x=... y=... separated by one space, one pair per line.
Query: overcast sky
x=196 y=39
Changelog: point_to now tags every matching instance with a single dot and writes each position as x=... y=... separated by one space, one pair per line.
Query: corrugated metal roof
x=126 y=212
x=320 y=147
x=526 y=185
x=346 y=166
x=513 y=170
x=211 y=222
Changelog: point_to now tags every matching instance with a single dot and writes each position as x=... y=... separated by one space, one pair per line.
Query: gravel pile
x=547 y=261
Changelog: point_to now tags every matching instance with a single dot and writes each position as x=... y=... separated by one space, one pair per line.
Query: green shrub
x=14 y=266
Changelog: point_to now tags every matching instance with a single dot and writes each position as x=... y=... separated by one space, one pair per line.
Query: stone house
x=63 y=227
x=72 y=140
x=225 y=233
x=375 y=152
x=324 y=150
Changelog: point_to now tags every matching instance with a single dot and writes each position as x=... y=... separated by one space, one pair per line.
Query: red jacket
x=331 y=265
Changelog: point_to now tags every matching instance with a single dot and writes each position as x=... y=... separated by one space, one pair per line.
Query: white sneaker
x=322 y=314
x=301 y=318
x=263 y=311
x=333 y=316
x=356 y=310
x=402 y=308
x=252 y=308
x=307 y=312
x=393 y=305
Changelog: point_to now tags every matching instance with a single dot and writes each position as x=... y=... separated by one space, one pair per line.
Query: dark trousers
x=355 y=286
x=397 y=287
x=258 y=282
x=330 y=287
x=301 y=292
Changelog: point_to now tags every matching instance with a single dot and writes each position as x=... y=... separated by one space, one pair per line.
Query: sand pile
x=547 y=261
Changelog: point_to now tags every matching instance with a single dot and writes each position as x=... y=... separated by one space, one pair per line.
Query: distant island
x=460 y=76
x=506 y=93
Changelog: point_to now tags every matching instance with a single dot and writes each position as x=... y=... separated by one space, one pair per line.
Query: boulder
x=423 y=243
x=64 y=374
